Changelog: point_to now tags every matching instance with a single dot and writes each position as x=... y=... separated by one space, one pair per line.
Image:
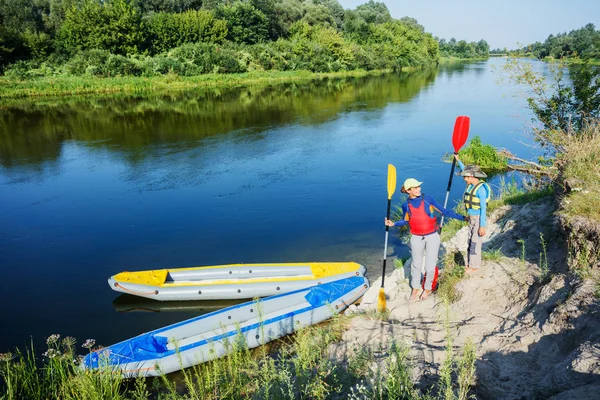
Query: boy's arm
x=482 y=195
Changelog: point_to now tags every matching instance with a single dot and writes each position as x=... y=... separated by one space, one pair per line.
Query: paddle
x=459 y=137
x=391 y=187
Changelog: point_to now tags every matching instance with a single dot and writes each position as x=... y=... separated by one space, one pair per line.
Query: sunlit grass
x=76 y=85
x=484 y=155
x=582 y=169
x=492 y=254
x=452 y=273
x=298 y=367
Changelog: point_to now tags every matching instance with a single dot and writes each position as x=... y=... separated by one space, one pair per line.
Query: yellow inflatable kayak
x=234 y=281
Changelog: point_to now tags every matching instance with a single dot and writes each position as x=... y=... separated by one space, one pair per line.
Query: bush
x=228 y=61
x=168 y=31
x=121 y=65
x=20 y=70
x=82 y=61
x=161 y=65
x=485 y=156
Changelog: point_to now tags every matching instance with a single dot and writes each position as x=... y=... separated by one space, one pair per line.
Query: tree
x=563 y=108
x=170 y=30
x=245 y=23
x=170 y=6
x=374 y=12
x=115 y=26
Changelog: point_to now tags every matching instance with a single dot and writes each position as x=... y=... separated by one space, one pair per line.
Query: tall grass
x=77 y=85
x=298 y=367
x=453 y=272
x=581 y=168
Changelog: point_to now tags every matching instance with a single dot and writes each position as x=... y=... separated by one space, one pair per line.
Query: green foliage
x=323 y=36
x=484 y=155
x=167 y=6
x=492 y=254
x=115 y=26
x=581 y=166
x=245 y=23
x=374 y=12
x=167 y=31
x=38 y=44
x=582 y=43
x=452 y=273
x=463 y=49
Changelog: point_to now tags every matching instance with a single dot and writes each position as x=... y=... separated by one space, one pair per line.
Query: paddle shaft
x=448 y=190
x=387 y=231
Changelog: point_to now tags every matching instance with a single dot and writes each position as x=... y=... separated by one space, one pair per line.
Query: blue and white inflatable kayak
x=209 y=336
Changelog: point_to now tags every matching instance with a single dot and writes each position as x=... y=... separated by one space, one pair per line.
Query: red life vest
x=419 y=222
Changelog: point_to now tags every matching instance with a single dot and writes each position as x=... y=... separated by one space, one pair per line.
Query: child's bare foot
x=414 y=295
x=425 y=294
x=470 y=270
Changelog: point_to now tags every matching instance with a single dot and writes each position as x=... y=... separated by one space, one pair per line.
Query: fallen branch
x=527 y=166
x=529 y=170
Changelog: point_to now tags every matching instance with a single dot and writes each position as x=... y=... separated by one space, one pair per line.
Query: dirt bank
x=535 y=325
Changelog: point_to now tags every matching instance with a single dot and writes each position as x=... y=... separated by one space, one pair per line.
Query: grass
x=484 y=155
x=581 y=167
x=492 y=254
x=76 y=85
x=298 y=367
x=511 y=193
x=453 y=272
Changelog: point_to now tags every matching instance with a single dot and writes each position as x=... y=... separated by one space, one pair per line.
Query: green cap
x=411 y=183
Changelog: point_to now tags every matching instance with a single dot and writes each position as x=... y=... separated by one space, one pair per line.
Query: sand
x=537 y=335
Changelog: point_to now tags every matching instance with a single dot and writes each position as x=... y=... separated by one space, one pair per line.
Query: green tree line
x=464 y=49
x=190 y=37
x=581 y=43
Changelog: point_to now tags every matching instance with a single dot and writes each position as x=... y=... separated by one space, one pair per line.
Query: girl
x=418 y=212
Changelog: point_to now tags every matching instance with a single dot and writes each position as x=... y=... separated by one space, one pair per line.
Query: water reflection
x=32 y=133
x=128 y=303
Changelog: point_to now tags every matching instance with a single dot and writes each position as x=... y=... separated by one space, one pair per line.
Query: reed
x=79 y=85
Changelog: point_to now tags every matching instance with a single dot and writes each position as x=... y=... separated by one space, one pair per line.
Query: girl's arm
x=404 y=220
x=446 y=212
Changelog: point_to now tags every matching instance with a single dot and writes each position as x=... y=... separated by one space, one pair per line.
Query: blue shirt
x=416 y=203
x=482 y=195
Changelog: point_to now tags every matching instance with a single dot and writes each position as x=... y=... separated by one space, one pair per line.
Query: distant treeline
x=463 y=49
x=581 y=43
x=191 y=37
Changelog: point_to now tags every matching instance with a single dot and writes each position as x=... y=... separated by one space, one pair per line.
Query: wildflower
x=6 y=357
x=51 y=353
x=52 y=339
x=89 y=343
x=69 y=342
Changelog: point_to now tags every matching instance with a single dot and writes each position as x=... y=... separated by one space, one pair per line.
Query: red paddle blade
x=461 y=132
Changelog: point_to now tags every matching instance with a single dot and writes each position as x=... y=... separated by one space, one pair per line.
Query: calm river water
x=93 y=186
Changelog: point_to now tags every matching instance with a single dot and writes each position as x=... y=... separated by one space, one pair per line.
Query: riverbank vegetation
x=462 y=49
x=131 y=38
x=299 y=367
x=567 y=116
x=63 y=46
x=582 y=43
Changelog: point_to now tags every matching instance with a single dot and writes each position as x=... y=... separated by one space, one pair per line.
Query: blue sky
x=501 y=23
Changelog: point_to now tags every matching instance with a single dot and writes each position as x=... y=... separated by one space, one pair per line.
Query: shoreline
x=63 y=86
x=74 y=85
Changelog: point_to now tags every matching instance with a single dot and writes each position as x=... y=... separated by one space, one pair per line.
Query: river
x=91 y=186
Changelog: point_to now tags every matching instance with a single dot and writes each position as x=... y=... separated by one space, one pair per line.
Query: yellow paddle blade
x=381 y=304
x=391 y=183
